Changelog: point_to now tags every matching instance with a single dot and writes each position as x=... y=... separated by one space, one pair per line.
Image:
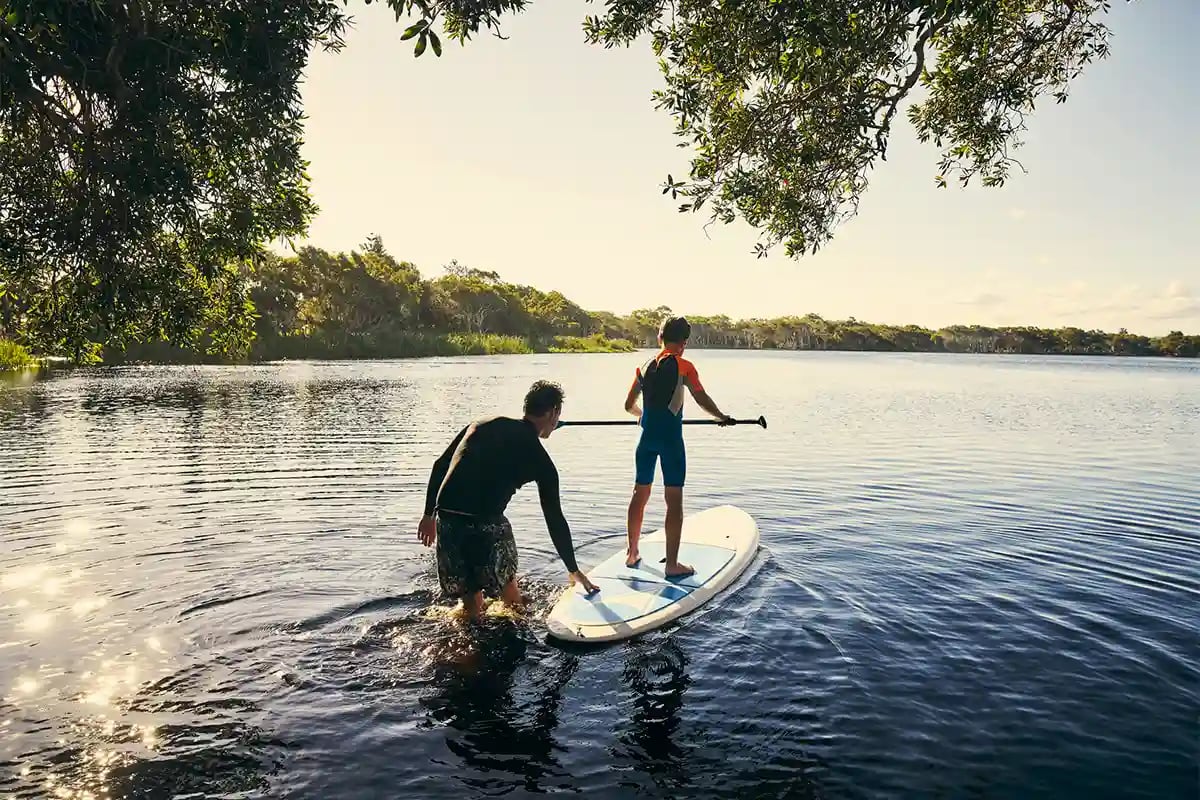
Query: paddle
x=762 y=421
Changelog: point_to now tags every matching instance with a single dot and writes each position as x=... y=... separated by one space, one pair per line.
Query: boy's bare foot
x=678 y=570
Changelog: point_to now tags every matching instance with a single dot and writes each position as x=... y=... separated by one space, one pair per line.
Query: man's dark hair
x=542 y=397
x=675 y=330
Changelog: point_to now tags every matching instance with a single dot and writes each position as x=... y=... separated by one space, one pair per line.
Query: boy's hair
x=675 y=330
x=542 y=397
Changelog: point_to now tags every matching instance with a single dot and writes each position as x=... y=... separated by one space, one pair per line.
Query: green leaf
x=412 y=30
x=437 y=44
x=421 y=43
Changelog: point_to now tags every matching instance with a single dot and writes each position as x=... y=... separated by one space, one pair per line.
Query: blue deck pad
x=620 y=601
x=706 y=559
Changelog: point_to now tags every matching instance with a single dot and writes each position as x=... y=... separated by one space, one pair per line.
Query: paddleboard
x=719 y=543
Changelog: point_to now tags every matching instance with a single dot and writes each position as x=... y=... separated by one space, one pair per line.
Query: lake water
x=979 y=578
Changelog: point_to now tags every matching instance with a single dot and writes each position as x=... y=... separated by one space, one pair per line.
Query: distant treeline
x=811 y=332
x=366 y=304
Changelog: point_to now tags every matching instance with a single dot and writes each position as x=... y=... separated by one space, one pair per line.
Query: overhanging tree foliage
x=789 y=103
x=149 y=148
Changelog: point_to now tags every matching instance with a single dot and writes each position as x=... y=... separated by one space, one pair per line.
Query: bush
x=596 y=343
x=13 y=357
x=490 y=344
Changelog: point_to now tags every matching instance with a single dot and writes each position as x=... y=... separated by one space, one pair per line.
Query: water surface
x=978 y=579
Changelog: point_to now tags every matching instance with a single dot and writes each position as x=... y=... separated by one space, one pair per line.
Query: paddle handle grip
x=761 y=422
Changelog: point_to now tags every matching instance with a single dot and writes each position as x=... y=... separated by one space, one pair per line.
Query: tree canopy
x=788 y=104
x=149 y=149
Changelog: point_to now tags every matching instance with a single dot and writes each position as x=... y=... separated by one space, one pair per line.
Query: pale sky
x=541 y=157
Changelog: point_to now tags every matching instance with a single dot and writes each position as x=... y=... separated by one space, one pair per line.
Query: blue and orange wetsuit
x=661 y=382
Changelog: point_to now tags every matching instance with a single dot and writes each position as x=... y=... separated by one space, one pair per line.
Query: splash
x=495 y=609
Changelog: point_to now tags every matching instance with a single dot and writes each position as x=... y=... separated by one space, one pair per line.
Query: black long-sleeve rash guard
x=482 y=469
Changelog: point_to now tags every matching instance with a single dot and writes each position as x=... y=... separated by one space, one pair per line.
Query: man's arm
x=438 y=473
x=560 y=532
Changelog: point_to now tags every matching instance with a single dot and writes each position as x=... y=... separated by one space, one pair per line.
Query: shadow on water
x=22 y=399
x=497 y=720
x=111 y=391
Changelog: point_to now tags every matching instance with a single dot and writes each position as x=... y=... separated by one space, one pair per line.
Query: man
x=660 y=381
x=469 y=490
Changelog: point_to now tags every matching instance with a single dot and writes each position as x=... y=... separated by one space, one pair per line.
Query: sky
x=541 y=158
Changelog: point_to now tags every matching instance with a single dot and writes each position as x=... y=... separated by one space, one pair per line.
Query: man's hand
x=427 y=530
x=725 y=419
x=579 y=577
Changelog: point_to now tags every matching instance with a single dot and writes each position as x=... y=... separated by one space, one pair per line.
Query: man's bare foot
x=678 y=571
x=512 y=597
x=632 y=559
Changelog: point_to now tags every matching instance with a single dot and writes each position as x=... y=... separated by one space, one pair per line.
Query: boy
x=660 y=381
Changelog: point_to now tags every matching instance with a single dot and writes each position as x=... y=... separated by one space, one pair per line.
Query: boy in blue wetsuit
x=660 y=382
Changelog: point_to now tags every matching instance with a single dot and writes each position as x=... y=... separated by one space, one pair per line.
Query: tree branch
x=893 y=102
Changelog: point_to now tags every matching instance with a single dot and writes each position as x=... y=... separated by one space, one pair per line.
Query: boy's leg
x=644 y=461
x=674 y=530
x=633 y=521
x=674 y=462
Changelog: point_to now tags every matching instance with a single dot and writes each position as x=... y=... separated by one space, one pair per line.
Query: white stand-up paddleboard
x=719 y=543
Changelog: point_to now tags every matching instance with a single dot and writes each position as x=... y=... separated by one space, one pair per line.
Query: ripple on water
x=978 y=580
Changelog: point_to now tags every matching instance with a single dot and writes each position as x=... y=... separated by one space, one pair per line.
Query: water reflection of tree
x=656 y=672
x=497 y=722
x=751 y=753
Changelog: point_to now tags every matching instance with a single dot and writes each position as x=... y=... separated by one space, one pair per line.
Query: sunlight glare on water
x=978 y=578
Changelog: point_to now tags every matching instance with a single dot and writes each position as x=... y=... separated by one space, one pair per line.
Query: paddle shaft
x=761 y=421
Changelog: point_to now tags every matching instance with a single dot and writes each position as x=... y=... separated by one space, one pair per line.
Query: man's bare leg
x=633 y=520
x=472 y=606
x=511 y=595
x=674 y=530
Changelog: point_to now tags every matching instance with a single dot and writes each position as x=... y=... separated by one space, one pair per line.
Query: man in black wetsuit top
x=469 y=490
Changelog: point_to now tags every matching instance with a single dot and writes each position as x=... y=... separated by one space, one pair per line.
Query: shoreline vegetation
x=365 y=304
x=14 y=357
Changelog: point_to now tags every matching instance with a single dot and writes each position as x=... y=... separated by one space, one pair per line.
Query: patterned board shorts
x=474 y=554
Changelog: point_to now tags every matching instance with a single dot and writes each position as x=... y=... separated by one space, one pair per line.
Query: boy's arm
x=631 y=398
x=692 y=379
